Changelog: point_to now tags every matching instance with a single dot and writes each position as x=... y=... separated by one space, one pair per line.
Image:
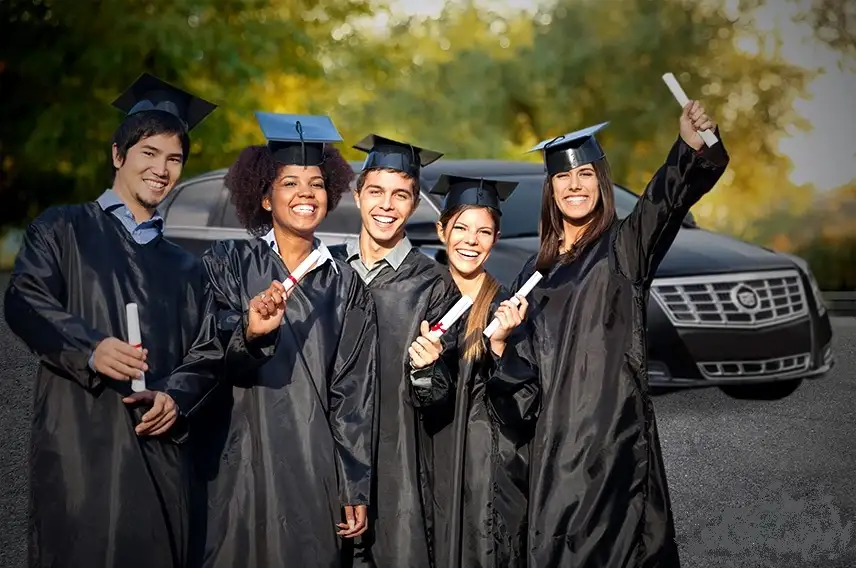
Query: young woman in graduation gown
x=108 y=477
x=480 y=448
x=286 y=448
x=598 y=492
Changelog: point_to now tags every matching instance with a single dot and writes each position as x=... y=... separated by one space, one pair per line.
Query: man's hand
x=266 y=311
x=694 y=120
x=119 y=360
x=357 y=521
x=426 y=349
x=509 y=316
x=159 y=418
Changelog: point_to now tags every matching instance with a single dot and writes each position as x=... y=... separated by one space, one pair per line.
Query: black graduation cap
x=569 y=151
x=387 y=153
x=150 y=93
x=473 y=191
x=298 y=139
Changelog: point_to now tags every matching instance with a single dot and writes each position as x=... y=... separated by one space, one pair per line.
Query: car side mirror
x=690 y=220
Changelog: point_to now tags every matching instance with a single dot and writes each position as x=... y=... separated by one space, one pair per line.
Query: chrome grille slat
x=757 y=368
x=748 y=300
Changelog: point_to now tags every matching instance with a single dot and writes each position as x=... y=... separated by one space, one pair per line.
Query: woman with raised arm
x=598 y=493
x=480 y=445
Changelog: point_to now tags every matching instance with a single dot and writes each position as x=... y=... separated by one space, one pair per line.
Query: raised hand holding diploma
x=705 y=134
x=266 y=311
x=426 y=349
x=509 y=314
x=693 y=121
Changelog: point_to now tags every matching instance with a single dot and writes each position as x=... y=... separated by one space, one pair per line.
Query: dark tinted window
x=625 y=201
x=194 y=203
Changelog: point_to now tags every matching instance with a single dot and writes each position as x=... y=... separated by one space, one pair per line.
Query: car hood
x=696 y=251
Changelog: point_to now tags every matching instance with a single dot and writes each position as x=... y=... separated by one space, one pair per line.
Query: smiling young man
x=410 y=292
x=107 y=478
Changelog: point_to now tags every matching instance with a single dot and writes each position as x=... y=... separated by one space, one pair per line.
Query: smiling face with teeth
x=297 y=199
x=386 y=199
x=149 y=170
x=577 y=193
x=469 y=233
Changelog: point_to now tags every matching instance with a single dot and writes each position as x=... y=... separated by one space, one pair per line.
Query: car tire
x=764 y=391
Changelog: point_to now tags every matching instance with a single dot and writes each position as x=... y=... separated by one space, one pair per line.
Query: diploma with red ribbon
x=133 y=317
x=301 y=270
x=522 y=293
x=453 y=315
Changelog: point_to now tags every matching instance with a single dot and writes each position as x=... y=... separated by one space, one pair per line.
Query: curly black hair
x=252 y=175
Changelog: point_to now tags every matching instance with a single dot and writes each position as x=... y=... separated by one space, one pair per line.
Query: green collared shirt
x=393 y=259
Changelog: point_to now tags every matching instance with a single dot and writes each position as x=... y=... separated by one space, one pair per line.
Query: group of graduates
x=322 y=417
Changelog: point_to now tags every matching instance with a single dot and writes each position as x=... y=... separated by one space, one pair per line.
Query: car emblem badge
x=745 y=299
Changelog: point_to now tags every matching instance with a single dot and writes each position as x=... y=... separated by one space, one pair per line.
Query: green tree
x=62 y=63
x=477 y=85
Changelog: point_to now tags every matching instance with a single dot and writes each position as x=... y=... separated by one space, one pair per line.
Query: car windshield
x=522 y=211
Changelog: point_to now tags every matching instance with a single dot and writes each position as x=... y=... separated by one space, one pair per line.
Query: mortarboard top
x=387 y=153
x=473 y=191
x=150 y=93
x=298 y=139
x=569 y=151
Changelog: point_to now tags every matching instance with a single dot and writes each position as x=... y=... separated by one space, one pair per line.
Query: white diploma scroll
x=133 y=317
x=527 y=287
x=708 y=136
x=452 y=316
x=301 y=270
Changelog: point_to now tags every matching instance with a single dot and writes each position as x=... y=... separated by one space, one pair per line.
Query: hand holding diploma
x=693 y=122
x=356 y=517
x=119 y=360
x=266 y=311
x=426 y=349
x=509 y=314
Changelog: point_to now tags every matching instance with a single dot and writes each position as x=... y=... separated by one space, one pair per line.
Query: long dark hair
x=474 y=348
x=551 y=227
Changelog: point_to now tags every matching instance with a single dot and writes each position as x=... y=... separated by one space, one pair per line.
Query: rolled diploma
x=453 y=315
x=301 y=270
x=133 y=317
x=709 y=137
x=527 y=287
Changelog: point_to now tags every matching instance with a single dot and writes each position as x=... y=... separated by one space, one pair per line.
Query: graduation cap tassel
x=299 y=128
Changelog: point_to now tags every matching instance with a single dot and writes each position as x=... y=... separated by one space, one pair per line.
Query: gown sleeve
x=513 y=389
x=194 y=379
x=352 y=397
x=441 y=374
x=34 y=312
x=643 y=237
x=241 y=356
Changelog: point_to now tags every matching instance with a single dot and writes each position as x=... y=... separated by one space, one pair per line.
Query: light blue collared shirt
x=143 y=233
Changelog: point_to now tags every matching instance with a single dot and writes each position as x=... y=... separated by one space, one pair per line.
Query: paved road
x=754 y=484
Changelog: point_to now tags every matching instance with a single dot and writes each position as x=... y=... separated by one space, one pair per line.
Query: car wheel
x=764 y=391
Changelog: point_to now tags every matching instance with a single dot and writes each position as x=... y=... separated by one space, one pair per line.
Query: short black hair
x=148 y=123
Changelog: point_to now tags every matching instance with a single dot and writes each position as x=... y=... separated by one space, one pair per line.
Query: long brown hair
x=474 y=348
x=551 y=227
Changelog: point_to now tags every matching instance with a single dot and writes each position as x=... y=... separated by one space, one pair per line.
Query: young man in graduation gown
x=411 y=292
x=108 y=484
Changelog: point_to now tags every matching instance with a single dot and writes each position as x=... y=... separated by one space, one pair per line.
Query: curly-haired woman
x=284 y=447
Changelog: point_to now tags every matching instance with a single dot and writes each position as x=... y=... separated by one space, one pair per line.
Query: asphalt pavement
x=754 y=483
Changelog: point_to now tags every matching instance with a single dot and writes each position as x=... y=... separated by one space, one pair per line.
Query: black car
x=724 y=312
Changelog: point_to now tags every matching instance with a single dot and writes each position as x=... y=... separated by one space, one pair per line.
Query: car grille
x=760 y=368
x=744 y=300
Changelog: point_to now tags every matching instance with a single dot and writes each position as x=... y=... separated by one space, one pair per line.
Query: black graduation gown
x=482 y=467
x=598 y=492
x=402 y=518
x=287 y=443
x=99 y=494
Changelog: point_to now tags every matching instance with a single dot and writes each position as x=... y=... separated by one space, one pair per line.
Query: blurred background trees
x=473 y=83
